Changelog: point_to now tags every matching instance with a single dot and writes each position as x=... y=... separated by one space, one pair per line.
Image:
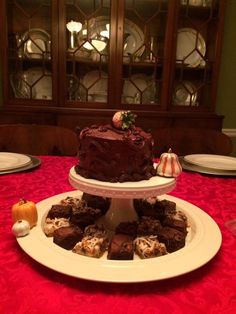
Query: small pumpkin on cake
x=169 y=165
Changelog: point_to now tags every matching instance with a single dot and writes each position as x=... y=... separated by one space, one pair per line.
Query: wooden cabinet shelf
x=151 y=57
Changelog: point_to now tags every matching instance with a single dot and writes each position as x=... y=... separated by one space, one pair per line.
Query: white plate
x=36 y=43
x=39 y=80
x=134 y=39
x=134 y=87
x=217 y=162
x=91 y=29
x=10 y=161
x=185 y=94
x=191 y=167
x=139 y=84
x=202 y=243
x=189 y=44
x=35 y=162
x=95 y=82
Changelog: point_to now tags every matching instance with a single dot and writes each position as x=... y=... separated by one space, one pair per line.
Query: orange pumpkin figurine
x=25 y=210
x=169 y=165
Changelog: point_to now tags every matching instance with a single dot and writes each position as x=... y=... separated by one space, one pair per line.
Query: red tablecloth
x=28 y=287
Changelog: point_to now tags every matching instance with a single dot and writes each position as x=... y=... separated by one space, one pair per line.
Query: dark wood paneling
x=177 y=125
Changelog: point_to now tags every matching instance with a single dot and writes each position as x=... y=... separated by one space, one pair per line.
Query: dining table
x=28 y=286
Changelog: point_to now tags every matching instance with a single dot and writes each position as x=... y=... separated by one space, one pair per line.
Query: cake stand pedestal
x=121 y=194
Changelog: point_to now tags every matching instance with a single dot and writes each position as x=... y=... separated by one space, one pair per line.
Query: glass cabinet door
x=29 y=54
x=195 y=57
x=143 y=49
x=87 y=51
x=155 y=55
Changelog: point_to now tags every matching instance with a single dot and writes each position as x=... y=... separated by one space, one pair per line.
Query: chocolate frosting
x=115 y=155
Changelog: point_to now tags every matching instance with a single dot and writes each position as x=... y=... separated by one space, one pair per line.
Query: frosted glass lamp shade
x=73 y=26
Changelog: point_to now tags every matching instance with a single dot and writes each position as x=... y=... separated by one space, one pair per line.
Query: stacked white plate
x=210 y=164
x=14 y=162
x=191 y=47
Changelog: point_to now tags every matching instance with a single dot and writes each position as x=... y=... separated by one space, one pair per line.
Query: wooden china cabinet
x=74 y=63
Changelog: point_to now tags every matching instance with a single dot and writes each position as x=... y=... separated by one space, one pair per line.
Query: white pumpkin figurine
x=21 y=228
x=169 y=165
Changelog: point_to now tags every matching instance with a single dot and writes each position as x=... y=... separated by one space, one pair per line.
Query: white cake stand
x=122 y=194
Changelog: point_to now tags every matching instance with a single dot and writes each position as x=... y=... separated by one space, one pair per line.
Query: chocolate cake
x=67 y=237
x=121 y=247
x=112 y=154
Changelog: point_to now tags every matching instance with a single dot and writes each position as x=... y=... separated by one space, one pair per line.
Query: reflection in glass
x=32 y=83
x=87 y=64
x=74 y=28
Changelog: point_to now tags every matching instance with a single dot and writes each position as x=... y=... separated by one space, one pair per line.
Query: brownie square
x=67 y=237
x=177 y=221
x=95 y=231
x=94 y=201
x=172 y=238
x=92 y=246
x=127 y=227
x=121 y=247
x=59 y=211
x=149 y=246
x=146 y=207
x=148 y=226
x=83 y=215
x=72 y=201
x=153 y=207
